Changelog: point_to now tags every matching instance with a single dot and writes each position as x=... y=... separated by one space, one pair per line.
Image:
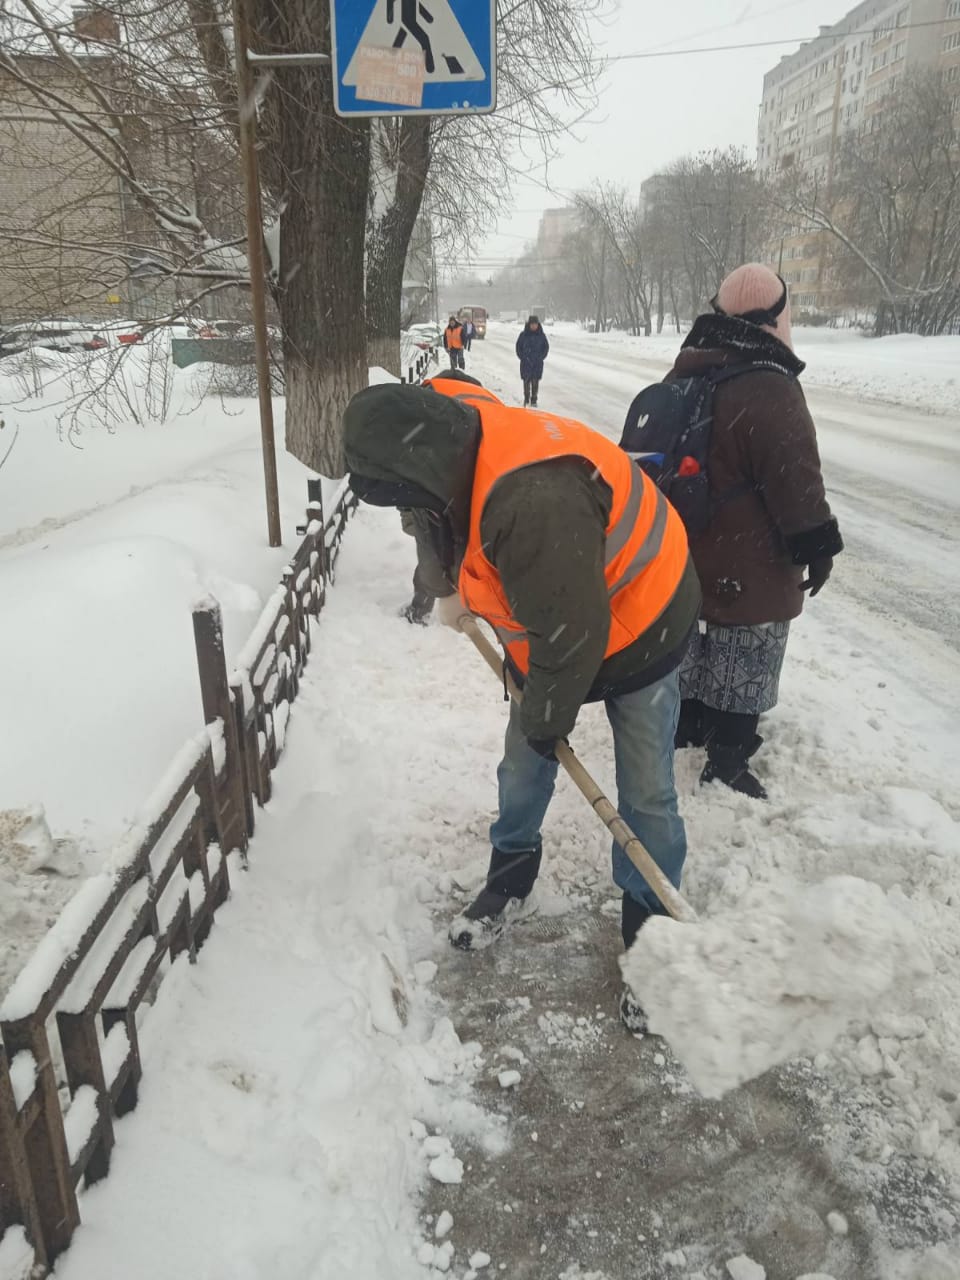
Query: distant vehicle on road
x=478 y=316
x=540 y=312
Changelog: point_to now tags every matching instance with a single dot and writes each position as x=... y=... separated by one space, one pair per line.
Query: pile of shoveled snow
x=782 y=977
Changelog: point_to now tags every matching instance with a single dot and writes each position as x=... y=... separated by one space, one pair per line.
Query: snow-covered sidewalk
x=289 y=1121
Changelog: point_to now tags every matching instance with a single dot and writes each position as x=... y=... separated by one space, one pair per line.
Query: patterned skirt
x=735 y=668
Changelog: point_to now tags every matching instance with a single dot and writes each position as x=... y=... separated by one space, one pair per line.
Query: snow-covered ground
x=288 y=1118
x=904 y=369
x=107 y=538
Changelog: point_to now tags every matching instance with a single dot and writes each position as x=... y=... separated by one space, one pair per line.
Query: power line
x=726 y=26
x=766 y=44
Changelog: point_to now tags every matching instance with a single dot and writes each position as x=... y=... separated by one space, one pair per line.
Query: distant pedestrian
x=771 y=535
x=532 y=349
x=469 y=333
x=453 y=342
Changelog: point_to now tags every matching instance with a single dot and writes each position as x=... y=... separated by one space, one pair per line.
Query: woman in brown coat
x=771 y=536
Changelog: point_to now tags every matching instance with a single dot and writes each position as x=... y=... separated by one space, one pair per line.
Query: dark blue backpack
x=667 y=432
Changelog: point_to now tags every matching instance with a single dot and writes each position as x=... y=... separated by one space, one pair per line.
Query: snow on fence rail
x=69 y=1059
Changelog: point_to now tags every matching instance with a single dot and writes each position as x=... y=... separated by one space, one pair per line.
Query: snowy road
x=893 y=475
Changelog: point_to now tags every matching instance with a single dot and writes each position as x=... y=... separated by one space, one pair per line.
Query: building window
x=898 y=51
x=951 y=42
x=953 y=9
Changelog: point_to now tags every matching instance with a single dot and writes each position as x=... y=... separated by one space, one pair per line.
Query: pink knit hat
x=757 y=294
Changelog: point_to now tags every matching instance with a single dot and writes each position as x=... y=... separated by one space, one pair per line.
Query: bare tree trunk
x=602 y=290
x=675 y=306
x=324 y=164
x=321 y=299
x=401 y=161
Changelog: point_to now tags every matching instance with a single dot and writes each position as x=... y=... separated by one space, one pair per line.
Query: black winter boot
x=690 y=725
x=731 y=740
x=526 y=394
x=633 y=916
x=632 y=1013
x=419 y=609
x=510 y=878
x=534 y=393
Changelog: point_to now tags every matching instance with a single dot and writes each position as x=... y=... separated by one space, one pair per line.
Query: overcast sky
x=656 y=109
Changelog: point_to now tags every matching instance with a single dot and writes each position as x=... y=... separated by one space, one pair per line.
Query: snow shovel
x=674 y=903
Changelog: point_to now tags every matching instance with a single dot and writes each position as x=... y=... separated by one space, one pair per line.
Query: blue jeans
x=644 y=724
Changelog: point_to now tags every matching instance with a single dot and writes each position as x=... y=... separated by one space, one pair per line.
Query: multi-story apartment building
x=838 y=83
x=555 y=226
x=73 y=240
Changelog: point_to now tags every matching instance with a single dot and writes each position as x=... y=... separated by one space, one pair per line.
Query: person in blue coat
x=532 y=349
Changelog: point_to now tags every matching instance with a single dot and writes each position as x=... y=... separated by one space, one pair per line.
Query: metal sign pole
x=256 y=261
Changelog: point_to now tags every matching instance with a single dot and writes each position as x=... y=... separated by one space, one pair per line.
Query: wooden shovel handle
x=673 y=902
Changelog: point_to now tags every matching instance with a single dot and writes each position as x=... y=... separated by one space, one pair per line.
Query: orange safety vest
x=646 y=551
x=455 y=389
x=454 y=337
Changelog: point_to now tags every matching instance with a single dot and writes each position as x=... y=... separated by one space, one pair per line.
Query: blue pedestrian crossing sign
x=413 y=57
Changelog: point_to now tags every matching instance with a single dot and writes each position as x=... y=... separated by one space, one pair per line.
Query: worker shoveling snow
x=781 y=978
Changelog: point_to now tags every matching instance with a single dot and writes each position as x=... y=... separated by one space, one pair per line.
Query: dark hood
x=738 y=342
x=421 y=443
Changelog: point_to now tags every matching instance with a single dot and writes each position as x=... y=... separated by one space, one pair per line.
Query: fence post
x=294 y=639
x=218 y=704
x=410 y=376
x=81 y=1057
x=18 y=1203
x=315 y=512
x=45 y=1141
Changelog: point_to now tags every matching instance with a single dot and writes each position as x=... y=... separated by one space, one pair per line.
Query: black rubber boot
x=419 y=609
x=633 y=916
x=526 y=394
x=510 y=878
x=534 y=393
x=732 y=740
x=690 y=725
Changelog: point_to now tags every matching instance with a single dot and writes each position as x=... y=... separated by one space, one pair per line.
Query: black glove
x=546 y=747
x=818 y=571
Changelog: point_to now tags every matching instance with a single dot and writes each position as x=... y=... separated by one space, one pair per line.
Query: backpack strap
x=726 y=372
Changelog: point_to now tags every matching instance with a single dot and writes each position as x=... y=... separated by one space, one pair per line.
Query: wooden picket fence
x=69 y=1061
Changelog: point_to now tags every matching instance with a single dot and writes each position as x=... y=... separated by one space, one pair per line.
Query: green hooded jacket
x=543 y=529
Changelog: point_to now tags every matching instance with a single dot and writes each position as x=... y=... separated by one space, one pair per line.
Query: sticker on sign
x=431 y=25
x=390 y=75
